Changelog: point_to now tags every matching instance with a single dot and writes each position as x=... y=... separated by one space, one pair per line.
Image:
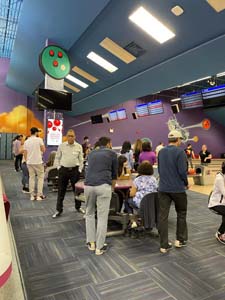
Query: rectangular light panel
x=151 y=25
x=85 y=74
x=102 y=62
x=118 y=51
x=77 y=81
x=70 y=86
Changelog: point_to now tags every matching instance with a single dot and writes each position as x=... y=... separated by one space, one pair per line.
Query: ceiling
x=197 y=50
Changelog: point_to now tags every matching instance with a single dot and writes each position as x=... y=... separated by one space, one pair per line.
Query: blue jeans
x=25 y=175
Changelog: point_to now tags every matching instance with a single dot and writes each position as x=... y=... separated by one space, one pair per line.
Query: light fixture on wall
x=111 y=130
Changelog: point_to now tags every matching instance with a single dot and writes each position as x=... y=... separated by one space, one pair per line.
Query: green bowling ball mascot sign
x=55 y=62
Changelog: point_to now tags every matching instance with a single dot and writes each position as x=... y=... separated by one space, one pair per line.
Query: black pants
x=18 y=161
x=221 y=210
x=66 y=174
x=180 y=201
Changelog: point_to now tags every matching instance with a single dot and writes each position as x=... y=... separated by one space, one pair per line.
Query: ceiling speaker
x=96 y=119
x=134 y=115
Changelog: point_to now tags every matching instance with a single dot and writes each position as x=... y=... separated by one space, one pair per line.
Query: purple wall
x=8 y=97
x=154 y=127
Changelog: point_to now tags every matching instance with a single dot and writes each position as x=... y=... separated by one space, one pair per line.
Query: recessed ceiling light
x=175 y=99
x=118 y=51
x=70 y=86
x=102 y=62
x=151 y=25
x=177 y=10
x=77 y=81
x=85 y=74
x=218 y=5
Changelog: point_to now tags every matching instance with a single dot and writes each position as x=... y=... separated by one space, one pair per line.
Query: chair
x=53 y=176
x=149 y=210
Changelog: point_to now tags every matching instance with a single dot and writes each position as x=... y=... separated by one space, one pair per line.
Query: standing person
x=33 y=150
x=69 y=161
x=16 y=152
x=172 y=165
x=217 y=202
x=100 y=177
x=190 y=154
x=86 y=146
x=205 y=155
x=158 y=148
x=147 y=154
x=126 y=151
x=137 y=151
x=25 y=172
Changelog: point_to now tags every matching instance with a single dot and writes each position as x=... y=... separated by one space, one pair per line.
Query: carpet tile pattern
x=57 y=265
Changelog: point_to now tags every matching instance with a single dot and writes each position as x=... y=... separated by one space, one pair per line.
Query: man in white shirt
x=69 y=160
x=33 y=150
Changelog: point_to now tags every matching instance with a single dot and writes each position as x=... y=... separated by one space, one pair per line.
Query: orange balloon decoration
x=206 y=124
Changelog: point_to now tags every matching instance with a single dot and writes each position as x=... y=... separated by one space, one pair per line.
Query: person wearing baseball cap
x=172 y=166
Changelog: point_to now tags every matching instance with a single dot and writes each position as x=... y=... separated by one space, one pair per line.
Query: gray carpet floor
x=56 y=264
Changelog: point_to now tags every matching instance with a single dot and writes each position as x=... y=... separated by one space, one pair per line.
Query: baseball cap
x=34 y=130
x=175 y=134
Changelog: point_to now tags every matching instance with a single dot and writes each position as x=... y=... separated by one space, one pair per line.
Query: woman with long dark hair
x=126 y=151
x=123 y=170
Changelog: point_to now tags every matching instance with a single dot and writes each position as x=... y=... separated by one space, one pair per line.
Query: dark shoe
x=25 y=190
x=179 y=244
x=57 y=214
x=102 y=250
x=165 y=250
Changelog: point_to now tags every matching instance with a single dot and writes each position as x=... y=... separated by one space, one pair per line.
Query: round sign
x=54 y=61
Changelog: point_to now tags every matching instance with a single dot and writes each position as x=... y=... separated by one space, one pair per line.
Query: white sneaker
x=40 y=198
x=32 y=198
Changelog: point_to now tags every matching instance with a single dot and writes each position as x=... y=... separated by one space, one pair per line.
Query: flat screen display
x=191 y=100
x=142 y=110
x=155 y=107
x=55 y=100
x=113 y=115
x=121 y=114
x=214 y=96
x=96 y=119
x=54 y=132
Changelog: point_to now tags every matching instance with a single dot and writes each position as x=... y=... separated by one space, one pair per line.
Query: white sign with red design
x=54 y=132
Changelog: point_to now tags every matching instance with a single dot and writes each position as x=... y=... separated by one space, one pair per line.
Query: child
x=143 y=184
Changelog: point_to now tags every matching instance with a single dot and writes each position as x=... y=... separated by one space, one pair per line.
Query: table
x=121 y=186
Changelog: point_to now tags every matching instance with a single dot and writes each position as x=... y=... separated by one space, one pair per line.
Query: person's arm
x=193 y=154
x=81 y=159
x=182 y=167
x=114 y=168
x=58 y=158
x=209 y=156
x=220 y=184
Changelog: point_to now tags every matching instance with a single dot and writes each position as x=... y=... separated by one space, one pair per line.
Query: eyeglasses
x=70 y=135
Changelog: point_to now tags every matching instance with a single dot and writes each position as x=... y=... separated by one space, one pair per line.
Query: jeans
x=180 y=201
x=99 y=196
x=18 y=161
x=25 y=175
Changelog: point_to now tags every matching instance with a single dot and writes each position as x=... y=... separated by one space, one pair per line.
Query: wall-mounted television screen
x=191 y=100
x=113 y=115
x=52 y=99
x=155 y=107
x=96 y=119
x=142 y=110
x=121 y=114
x=214 y=96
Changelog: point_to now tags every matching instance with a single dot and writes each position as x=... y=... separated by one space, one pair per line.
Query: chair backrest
x=53 y=174
x=149 y=210
x=114 y=204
